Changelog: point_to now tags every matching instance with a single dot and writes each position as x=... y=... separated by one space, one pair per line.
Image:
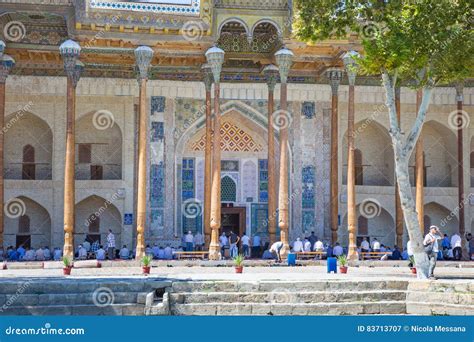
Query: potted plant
x=67 y=265
x=342 y=259
x=239 y=263
x=146 y=261
x=4 y=265
x=411 y=264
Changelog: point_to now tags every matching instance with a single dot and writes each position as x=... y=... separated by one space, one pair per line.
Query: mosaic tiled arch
x=233 y=139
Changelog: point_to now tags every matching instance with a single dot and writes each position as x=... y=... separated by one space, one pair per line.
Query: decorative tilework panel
x=228 y=190
x=308 y=109
x=308 y=221
x=157 y=131
x=259 y=224
x=158 y=104
x=157 y=217
x=233 y=139
x=249 y=181
x=263 y=180
x=191 y=207
x=187 y=179
x=157 y=186
x=191 y=8
x=308 y=187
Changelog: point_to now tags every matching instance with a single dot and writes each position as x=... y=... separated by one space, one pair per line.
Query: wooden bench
x=310 y=255
x=191 y=255
x=374 y=255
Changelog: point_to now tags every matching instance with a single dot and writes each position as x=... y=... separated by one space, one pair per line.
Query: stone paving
x=254 y=273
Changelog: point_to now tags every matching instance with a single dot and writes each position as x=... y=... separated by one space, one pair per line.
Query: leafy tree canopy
x=428 y=41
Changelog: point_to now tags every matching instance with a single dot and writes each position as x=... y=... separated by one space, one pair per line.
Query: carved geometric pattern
x=233 y=139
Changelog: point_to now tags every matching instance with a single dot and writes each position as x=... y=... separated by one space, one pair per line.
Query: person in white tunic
x=431 y=248
x=298 y=246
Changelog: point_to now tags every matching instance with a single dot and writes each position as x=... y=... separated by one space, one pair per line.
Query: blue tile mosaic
x=157 y=185
x=158 y=104
x=308 y=187
x=308 y=110
x=263 y=180
x=157 y=131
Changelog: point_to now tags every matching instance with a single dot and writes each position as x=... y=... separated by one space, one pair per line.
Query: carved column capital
x=334 y=75
x=207 y=77
x=271 y=73
x=459 y=91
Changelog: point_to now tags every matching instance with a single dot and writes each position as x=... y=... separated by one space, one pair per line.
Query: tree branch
x=418 y=125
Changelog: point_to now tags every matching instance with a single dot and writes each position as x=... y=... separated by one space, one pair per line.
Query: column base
x=285 y=251
x=352 y=254
x=139 y=254
x=214 y=252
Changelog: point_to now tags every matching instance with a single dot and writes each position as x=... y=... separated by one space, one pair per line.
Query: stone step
x=299 y=309
x=71 y=285
x=287 y=297
x=268 y=286
x=77 y=310
x=99 y=297
x=442 y=309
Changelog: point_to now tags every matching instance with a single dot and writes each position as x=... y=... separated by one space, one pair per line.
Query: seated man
x=338 y=250
x=21 y=252
x=307 y=245
x=275 y=249
x=30 y=255
x=100 y=253
x=364 y=246
x=318 y=246
x=161 y=253
x=57 y=254
x=298 y=246
x=47 y=253
x=124 y=253
x=40 y=254
x=81 y=253
x=155 y=251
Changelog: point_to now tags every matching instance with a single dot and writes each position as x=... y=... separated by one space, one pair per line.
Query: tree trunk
x=402 y=152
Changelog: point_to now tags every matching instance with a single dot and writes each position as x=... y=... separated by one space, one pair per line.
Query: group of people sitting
x=28 y=254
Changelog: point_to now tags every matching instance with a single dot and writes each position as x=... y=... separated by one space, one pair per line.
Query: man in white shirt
x=189 y=240
x=100 y=253
x=337 y=250
x=124 y=253
x=307 y=245
x=298 y=246
x=409 y=249
x=256 y=246
x=111 y=245
x=87 y=246
x=431 y=247
x=168 y=252
x=198 y=241
x=376 y=245
x=318 y=246
x=82 y=253
x=275 y=249
x=456 y=245
x=29 y=255
x=245 y=245
x=365 y=246
x=39 y=254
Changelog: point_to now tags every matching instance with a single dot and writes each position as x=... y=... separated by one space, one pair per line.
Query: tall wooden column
x=143 y=56
x=6 y=64
x=208 y=80
x=271 y=75
x=282 y=119
x=398 y=204
x=215 y=58
x=351 y=191
x=70 y=52
x=334 y=76
x=420 y=171
x=460 y=126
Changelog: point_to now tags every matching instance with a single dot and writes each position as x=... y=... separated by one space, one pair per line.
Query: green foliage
x=342 y=260
x=146 y=260
x=239 y=260
x=67 y=262
x=411 y=261
x=426 y=41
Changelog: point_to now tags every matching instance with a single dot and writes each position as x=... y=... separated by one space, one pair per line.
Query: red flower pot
x=239 y=269
x=99 y=265
x=343 y=269
x=5 y=266
x=413 y=270
x=67 y=270
x=146 y=269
